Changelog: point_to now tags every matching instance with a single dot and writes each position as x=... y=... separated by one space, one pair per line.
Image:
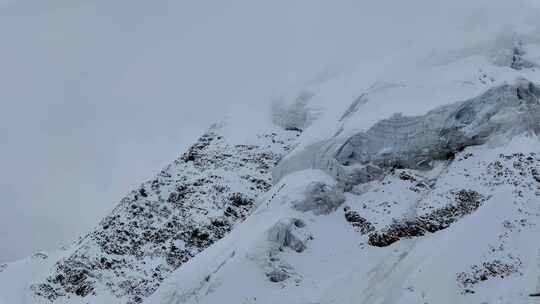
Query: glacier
x=416 y=180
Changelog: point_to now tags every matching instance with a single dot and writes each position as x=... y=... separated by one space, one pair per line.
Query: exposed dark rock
x=486 y=271
x=357 y=221
x=237 y=199
x=277 y=275
x=467 y=201
x=406 y=176
x=535 y=174
x=190 y=205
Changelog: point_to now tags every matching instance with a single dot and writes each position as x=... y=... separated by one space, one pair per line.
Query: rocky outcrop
x=155 y=229
x=486 y=271
x=466 y=202
x=357 y=221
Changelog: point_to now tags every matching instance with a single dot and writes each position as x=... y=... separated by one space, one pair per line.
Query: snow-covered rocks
x=190 y=205
x=467 y=201
x=357 y=221
x=418 y=185
x=486 y=271
x=453 y=189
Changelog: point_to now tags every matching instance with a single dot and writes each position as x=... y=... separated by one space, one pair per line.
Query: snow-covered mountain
x=156 y=228
x=411 y=179
x=451 y=227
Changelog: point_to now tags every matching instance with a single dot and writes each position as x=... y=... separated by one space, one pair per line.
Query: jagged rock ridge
x=188 y=206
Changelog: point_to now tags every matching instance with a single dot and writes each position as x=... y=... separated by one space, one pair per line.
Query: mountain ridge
x=420 y=189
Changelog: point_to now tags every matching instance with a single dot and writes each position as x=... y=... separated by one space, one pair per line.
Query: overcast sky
x=99 y=95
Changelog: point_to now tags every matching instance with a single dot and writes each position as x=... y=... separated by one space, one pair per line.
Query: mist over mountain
x=259 y=152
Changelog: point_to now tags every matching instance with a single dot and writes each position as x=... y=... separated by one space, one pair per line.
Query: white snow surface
x=487 y=256
x=488 y=253
x=339 y=266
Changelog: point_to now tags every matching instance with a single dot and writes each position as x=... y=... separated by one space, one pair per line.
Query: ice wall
x=416 y=141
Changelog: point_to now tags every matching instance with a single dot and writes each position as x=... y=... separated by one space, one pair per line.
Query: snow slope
x=421 y=188
x=412 y=177
x=15 y=277
x=486 y=256
x=156 y=228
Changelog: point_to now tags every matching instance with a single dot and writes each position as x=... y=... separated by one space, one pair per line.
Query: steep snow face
x=415 y=180
x=420 y=186
x=404 y=110
x=457 y=233
x=188 y=206
x=416 y=79
x=416 y=141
